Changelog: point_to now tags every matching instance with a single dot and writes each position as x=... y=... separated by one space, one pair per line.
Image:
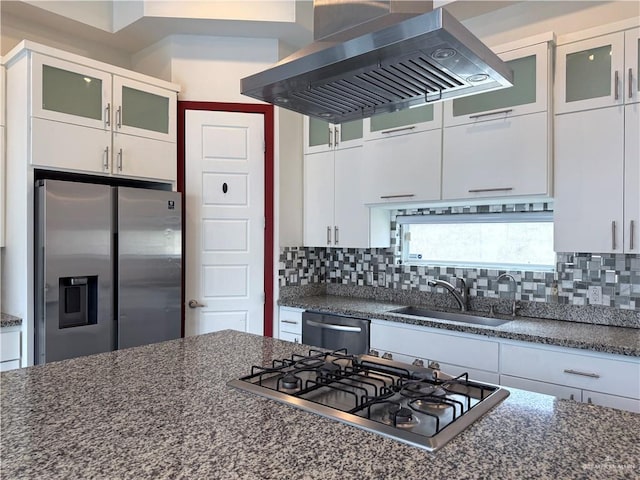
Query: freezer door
x=149 y=266
x=74 y=272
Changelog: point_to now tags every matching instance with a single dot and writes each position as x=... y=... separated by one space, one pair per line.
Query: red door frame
x=267 y=111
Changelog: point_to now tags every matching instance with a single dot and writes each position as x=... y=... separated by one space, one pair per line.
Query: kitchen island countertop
x=600 y=338
x=166 y=411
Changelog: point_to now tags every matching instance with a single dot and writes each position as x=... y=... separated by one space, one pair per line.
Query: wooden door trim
x=268 y=112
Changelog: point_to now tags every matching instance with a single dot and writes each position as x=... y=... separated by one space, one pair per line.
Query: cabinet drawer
x=291 y=337
x=290 y=321
x=430 y=345
x=560 y=391
x=614 y=401
x=9 y=346
x=599 y=374
x=10 y=365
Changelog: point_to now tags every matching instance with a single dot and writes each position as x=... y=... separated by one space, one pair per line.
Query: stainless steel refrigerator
x=108 y=268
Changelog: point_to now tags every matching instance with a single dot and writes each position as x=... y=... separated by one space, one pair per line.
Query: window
x=494 y=240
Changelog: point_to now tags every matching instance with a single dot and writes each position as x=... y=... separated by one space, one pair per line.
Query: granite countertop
x=7 y=320
x=166 y=411
x=601 y=338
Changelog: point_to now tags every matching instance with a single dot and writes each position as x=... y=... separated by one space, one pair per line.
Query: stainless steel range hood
x=379 y=56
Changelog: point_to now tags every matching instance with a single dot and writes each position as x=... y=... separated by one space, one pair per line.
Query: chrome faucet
x=514 y=304
x=462 y=296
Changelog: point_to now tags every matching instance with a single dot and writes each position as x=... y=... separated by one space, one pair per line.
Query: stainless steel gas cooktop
x=413 y=404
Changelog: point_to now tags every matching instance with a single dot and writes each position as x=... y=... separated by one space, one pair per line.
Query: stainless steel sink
x=451 y=316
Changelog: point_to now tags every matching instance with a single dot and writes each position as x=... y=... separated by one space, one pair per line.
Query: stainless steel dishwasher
x=334 y=332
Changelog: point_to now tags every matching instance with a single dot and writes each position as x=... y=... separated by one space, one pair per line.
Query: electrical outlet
x=369 y=278
x=594 y=294
x=381 y=279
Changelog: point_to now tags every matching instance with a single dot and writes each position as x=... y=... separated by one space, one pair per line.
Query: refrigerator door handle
x=195 y=304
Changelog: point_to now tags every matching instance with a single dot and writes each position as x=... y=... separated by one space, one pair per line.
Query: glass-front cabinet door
x=144 y=110
x=71 y=93
x=410 y=120
x=320 y=135
x=590 y=73
x=529 y=93
x=632 y=65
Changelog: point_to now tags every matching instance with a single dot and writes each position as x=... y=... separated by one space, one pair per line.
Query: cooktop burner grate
x=417 y=405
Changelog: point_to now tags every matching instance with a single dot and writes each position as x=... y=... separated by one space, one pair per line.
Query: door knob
x=195 y=304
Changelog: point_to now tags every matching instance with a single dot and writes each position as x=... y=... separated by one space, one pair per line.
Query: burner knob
x=418 y=363
x=434 y=365
x=374 y=353
x=387 y=356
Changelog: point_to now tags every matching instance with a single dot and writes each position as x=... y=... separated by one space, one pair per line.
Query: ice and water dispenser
x=78 y=301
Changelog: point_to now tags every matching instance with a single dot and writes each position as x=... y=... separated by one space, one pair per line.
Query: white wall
x=208 y=68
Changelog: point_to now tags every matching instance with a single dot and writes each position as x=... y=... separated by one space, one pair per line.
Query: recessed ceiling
x=149 y=30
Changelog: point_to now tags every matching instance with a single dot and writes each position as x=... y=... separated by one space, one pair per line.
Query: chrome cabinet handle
x=480 y=115
x=292 y=322
x=335 y=235
x=105 y=163
x=336 y=136
x=631 y=228
x=330 y=137
x=616 y=76
x=328 y=235
x=582 y=374
x=613 y=234
x=630 y=83
x=398 y=196
x=119 y=117
x=120 y=160
x=195 y=304
x=385 y=132
x=497 y=189
x=107 y=115
x=333 y=326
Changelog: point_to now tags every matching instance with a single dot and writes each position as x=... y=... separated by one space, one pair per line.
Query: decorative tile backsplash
x=618 y=275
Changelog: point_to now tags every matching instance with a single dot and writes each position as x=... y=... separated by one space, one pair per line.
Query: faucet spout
x=461 y=297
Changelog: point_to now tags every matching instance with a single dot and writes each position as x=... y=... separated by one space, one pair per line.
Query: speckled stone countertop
x=166 y=411
x=7 y=320
x=601 y=338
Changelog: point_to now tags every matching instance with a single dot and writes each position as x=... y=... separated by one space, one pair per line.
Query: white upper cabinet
x=597 y=153
x=334 y=213
x=89 y=117
x=529 y=94
x=597 y=72
x=143 y=110
x=403 y=168
x=632 y=65
x=498 y=144
x=70 y=93
x=322 y=136
x=410 y=120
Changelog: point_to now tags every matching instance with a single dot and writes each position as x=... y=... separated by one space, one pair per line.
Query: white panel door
x=224 y=178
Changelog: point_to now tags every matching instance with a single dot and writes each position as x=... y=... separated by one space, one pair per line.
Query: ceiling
x=147 y=31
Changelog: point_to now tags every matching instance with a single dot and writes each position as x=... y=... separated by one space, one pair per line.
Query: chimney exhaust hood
x=379 y=56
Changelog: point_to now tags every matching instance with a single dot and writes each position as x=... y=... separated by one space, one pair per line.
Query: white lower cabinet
x=604 y=379
x=566 y=373
x=290 y=324
x=9 y=349
x=449 y=349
